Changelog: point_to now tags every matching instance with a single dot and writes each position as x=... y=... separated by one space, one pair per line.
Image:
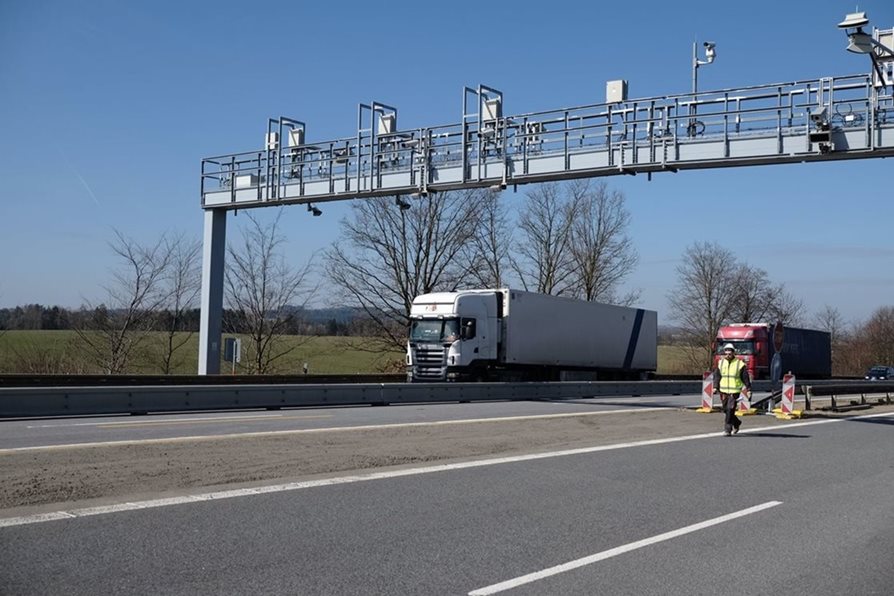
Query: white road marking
x=275 y=488
x=271 y=433
x=620 y=550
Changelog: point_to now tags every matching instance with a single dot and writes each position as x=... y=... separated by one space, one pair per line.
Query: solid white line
x=620 y=550
x=271 y=433
x=275 y=488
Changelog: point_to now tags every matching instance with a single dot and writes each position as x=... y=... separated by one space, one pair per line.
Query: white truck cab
x=451 y=333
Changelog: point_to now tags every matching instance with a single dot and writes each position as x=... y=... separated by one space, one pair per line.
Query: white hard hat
x=729 y=347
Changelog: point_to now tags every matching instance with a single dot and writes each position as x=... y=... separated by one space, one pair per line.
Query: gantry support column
x=213 y=253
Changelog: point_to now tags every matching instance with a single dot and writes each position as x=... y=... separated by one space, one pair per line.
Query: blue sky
x=107 y=107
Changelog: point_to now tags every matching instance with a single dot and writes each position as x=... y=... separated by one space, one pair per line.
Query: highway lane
x=827 y=526
x=21 y=433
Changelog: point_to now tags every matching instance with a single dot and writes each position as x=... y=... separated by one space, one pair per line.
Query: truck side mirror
x=467 y=329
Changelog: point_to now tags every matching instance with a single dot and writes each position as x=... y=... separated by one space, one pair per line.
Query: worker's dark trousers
x=729 y=403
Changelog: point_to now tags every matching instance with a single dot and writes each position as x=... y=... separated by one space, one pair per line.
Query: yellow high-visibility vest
x=731 y=375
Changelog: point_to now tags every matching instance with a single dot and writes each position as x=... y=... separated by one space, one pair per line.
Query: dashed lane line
x=619 y=550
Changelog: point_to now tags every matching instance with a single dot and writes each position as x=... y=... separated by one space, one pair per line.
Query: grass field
x=673 y=360
x=56 y=352
x=50 y=352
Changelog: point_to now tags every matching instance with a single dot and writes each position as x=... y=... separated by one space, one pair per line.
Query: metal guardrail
x=836 y=391
x=69 y=401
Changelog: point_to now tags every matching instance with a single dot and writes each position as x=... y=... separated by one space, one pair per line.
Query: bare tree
x=544 y=263
x=753 y=294
x=115 y=329
x=786 y=307
x=829 y=319
x=181 y=286
x=489 y=251
x=601 y=252
x=878 y=333
x=262 y=290
x=714 y=288
x=866 y=343
x=389 y=255
x=757 y=299
x=702 y=299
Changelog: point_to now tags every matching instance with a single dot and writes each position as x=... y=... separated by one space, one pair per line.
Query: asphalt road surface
x=621 y=500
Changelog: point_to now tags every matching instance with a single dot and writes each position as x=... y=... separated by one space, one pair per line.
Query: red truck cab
x=753 y=343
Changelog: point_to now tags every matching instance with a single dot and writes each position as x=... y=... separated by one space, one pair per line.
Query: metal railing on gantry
x=816 y=120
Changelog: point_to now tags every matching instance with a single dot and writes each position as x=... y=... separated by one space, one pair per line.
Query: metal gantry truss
x=848 y=117
x=821 y=119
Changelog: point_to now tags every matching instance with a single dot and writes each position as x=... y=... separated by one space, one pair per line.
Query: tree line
x=39 y=317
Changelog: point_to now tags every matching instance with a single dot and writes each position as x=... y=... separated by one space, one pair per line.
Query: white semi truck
x=511 y=335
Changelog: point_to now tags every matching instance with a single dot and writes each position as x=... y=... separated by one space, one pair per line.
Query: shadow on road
x=595 y=401
x=774 y=435
x=885 y=421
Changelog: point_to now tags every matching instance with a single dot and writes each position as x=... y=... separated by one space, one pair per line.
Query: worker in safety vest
x=730 y=377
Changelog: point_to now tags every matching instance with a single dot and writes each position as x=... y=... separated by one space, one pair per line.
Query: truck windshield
x=742 y=347
x=434 y=330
